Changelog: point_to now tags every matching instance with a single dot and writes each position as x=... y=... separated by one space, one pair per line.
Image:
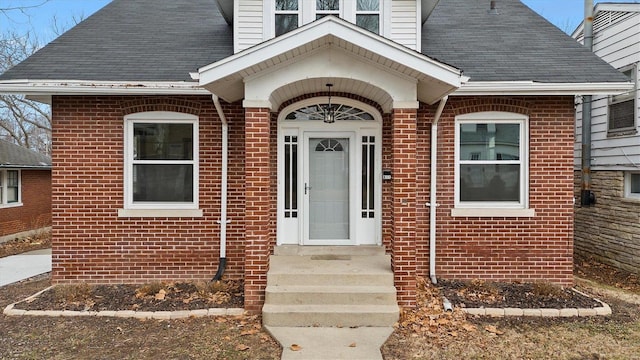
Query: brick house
x=25 y=190
x=206 y=135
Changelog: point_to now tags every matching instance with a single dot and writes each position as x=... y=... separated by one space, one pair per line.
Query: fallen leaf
x=242 y=347
x=469 y=327
x=352 y=344
x=249 y=332
x=161 y=294
x=492 y=329
x=295 y=347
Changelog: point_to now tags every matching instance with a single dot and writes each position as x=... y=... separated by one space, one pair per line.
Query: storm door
x=327 y=188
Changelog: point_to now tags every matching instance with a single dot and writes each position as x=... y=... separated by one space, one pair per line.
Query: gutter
x=222 y=264
x=432 y=204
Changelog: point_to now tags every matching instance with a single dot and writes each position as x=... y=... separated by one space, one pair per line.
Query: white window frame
x=164 y=209
x=495 y=208
x=627 y=185
x=630 y=95
x=4 y=189
x=307 y=14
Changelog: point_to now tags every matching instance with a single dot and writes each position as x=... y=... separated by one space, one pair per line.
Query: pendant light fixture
x=329 y=115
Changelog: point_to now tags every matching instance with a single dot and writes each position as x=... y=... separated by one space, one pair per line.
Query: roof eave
x=478 y=88
x=28 y=167
x=42 y=90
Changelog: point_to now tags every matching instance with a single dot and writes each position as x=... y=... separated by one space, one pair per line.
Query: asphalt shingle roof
x=14 y=156
x=149 y=40
x=512 y=44
x=141 y=40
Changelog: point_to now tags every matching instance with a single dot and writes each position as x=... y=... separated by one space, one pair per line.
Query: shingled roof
x=14 y=156
x=147 y=40
x=512 y=43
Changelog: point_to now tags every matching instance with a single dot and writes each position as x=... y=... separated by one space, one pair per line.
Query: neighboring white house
x=610 y=230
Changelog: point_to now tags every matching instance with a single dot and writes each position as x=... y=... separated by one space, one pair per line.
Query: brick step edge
x=9 y=310
x=603 y=310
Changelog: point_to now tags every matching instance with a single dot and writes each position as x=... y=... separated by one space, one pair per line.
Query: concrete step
x=339 y=295
x=317 y=270
x=330 y=315
x=361 y=250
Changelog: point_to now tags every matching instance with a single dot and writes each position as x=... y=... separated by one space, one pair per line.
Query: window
x=287 y=16
x=10 y=188
x=327 y=7
x=491 y=160
x=161 y=161
x=622 y=108
x=632 y=185
x=368 y=15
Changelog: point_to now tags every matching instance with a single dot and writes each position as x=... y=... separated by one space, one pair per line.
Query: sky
x=39 y=15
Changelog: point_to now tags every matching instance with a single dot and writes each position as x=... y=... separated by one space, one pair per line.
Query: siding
x=618 y=43
x=403 y=23
x=248 y=25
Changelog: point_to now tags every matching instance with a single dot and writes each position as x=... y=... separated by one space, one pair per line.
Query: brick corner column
x=257 y=207
x=403 y=249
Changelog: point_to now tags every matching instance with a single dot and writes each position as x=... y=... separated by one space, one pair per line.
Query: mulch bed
x=478 y=293
x=150 y=297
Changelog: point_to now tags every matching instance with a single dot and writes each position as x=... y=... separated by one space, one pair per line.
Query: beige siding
x=404 y=22
x=248 y=24
x=617 y=41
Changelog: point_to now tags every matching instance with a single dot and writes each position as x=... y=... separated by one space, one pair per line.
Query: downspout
x=586 y=196
x=223 y=191
x=432 y=204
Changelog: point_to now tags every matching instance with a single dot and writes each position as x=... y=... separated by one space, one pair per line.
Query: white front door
x=328 y=194
x=329 y=176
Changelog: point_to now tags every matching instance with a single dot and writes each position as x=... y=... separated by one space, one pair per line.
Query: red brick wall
x=523 y=249
x=91 y=244
x=35 y=212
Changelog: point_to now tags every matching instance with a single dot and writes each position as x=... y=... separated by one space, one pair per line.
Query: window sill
x=492 y=212
x=11 y=205
x=168 y=213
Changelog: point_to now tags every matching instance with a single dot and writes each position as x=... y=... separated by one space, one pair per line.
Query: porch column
x=257 y=206
x=403 y=249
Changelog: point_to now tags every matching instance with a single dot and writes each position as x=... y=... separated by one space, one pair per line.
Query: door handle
x=306 y=187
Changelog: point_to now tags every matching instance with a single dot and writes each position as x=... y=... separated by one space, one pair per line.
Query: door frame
x=293 y=229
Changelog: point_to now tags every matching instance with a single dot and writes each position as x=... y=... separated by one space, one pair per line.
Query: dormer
x=255 y=21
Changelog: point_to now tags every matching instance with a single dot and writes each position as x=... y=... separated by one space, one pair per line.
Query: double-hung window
x=491 y=153
x=287 y=16
x=622 y=107
x=368 y=15
x=9 y=188
x=161 y=161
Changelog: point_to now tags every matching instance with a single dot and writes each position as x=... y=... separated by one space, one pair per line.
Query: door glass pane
x=329 y=192
x=165 y=183
x=490 y=182
x=369 y=22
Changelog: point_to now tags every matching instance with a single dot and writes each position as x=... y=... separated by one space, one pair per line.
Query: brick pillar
x=257 y=207
x=403 y=248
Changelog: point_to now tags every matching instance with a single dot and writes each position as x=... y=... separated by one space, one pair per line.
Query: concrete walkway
x=323 y=343
x=23 y=266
